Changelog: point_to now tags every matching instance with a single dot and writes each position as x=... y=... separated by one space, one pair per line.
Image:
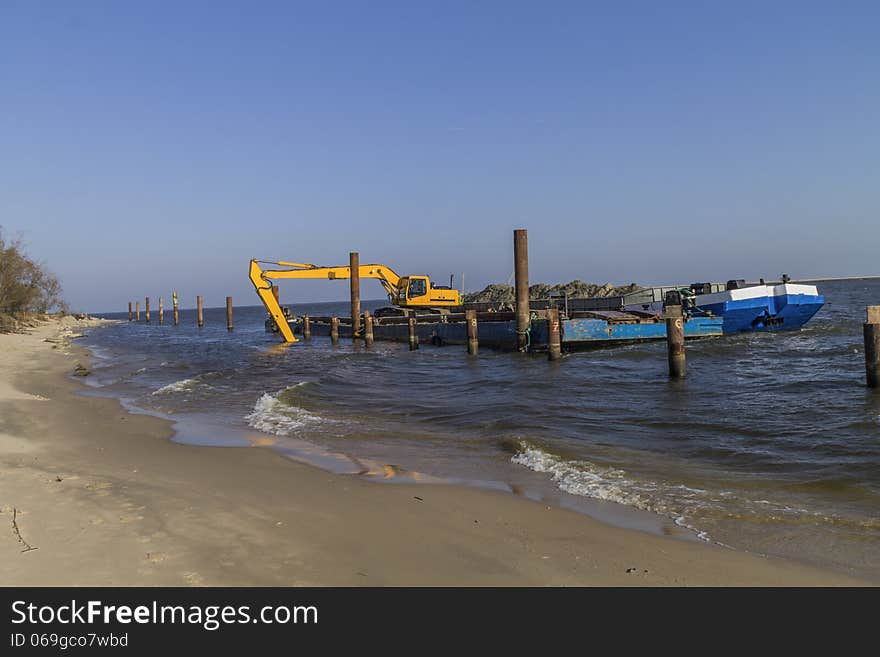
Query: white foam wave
x=606 y=483
x=177 y=386
x=582 y=477
x=271 y=415
x=184 y=385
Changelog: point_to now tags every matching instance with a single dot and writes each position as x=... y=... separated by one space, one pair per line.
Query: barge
x=710 y=309
x=579 y=330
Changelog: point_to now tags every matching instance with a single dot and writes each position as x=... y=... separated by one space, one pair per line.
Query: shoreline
x=192 y=432
x=107 y=498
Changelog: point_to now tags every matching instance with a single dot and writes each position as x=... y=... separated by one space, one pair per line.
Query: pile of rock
x=577 y=289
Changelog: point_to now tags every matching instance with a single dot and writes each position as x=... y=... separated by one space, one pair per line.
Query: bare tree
x=26 y=286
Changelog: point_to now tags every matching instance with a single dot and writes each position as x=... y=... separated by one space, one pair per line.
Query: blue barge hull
x=587 y=331
x=579 y=333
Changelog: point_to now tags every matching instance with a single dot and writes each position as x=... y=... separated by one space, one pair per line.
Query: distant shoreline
x=833 y=278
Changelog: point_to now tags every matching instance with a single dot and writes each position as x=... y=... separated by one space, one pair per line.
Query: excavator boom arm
x=384 y=274
x=261 y=279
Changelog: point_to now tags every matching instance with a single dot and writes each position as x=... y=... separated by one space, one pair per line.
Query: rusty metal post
x=176 y=310
x=228 y=313
x=554 y=341
x=872 y=347
x=137 y=308
x=161 y=311
x=521 y=275
x=675 y=342
x=129 y=311
x=473 y=342
x=307 y=327
x=368 y=328
x=355 y=280
x=199 y=314
x=147 y=310
x=413 y=336
x=334 y=329
x=276 y=292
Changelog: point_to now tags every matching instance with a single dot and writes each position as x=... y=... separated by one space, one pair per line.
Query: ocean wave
x=687 y=506
x=184 y=385
x=582 y=477
x=274 y=415
x=588 y=479
x=177 y=386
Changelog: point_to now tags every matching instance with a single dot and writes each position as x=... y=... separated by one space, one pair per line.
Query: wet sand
x=106 y=498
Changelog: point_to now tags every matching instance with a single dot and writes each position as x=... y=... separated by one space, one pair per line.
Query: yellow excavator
x=403 y=291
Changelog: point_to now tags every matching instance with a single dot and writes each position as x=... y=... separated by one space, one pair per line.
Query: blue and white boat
x=762 y=307
x=743 y=307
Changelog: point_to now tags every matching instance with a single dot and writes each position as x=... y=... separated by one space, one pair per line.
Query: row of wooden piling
x=674 y=319
x=674 y=332
x=674 y=327
x=200 y=314
x=367 y=333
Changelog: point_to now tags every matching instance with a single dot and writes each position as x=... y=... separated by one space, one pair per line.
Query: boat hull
x=763 y=307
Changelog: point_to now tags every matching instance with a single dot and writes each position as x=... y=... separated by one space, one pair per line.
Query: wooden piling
x=554 y=341
x=147 y=310
x=413 y=336
x=199 y=314
x=675 y=342
x=473 y=342
x=521 y=275
x=872 y=347
x=355 y=281
x=129 y=311
x=368 y=329
x=176 y=310
x=161 y=311
x=307 y=328
x=228 y=313
x=276 y=292
x=137 y=307
x=334 y=329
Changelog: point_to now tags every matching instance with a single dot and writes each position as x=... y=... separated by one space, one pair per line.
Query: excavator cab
x=419 y=291
x=412 y=289
x=418 y=287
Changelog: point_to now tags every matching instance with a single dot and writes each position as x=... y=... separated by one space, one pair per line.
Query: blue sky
x=159 y=145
